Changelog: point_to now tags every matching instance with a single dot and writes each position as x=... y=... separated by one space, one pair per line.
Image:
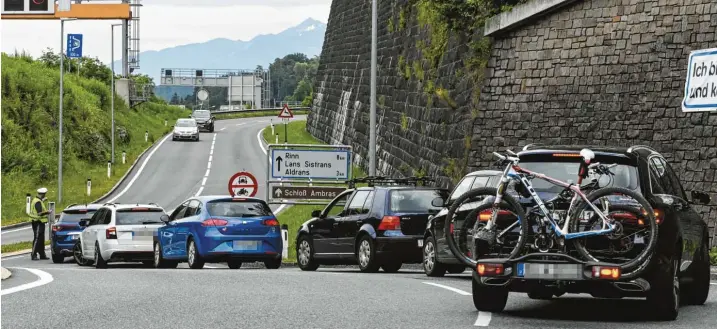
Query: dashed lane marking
x=139 y=171
x=44 y=278
x=483 y=319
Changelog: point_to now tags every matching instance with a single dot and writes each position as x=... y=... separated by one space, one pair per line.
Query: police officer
x=38 y=216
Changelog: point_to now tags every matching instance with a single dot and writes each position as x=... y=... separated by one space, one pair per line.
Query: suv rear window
x=414 y=201
x=235 y=208
x=139 y=216
x=74 y=216
x=626 y=175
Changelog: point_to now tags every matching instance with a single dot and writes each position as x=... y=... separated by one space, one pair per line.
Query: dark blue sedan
x=215 y=229
x=62 y=239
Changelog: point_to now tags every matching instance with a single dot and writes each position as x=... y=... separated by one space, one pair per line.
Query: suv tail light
x=489 y=269
x=56 y=228
x=270 y=222
x=485 y=214
x=606 y=272
x=390 y=223
x=214 y=222
x=111 y=233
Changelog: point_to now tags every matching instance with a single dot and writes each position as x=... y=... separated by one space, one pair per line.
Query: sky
x=168 y=23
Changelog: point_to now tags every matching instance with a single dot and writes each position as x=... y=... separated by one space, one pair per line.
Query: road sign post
x=285 y=115
x=243 y=183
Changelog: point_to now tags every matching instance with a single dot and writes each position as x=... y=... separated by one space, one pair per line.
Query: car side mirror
x=438 y=202
x=84 y=222
x=214 y=118
x=700 y=197
x=164 y=218
x=316 y=213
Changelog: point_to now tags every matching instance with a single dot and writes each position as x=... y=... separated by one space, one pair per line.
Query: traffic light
x=14 y=5
x=39 y=5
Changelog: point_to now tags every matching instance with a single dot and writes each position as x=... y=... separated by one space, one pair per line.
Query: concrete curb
x=5 y=273
x=112 y=190
x=21 y=252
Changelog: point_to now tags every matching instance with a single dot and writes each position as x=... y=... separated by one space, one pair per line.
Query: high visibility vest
x=33 y=212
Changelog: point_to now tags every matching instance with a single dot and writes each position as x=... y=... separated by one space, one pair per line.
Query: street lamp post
x=112 y=64
x=62 y=91
x=372 y=115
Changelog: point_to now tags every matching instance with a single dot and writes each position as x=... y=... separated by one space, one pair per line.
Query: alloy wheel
x=304 y=252
x=364 y=253
x=429 y=255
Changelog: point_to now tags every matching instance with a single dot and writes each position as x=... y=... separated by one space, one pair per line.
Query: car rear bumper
x=407 y=249
x=247 y=247
x=562 y=273
x=204 y=126
x=63 y=244
x=189 y=137
x=112 y=250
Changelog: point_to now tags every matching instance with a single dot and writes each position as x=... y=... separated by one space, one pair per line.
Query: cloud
x=163 y=25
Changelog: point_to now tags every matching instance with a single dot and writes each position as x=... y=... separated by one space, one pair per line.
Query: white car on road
x=186 y=129
x=119 y=233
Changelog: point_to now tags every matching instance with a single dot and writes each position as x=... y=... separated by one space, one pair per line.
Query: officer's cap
x=42 y=190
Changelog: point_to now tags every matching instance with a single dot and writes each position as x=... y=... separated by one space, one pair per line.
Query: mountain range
x=306 y=38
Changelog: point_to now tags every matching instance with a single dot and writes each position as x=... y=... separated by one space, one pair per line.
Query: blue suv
x=62 y=241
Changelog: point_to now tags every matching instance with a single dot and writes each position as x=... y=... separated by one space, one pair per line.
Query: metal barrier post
x=28 y=200
x=285 y=238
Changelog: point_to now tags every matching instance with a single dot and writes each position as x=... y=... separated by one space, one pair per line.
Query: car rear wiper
x=152 y=222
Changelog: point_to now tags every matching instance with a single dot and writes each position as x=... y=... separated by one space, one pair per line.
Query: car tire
x=305 y=254
x=211 y=130
x=697 y=291
x=194 y=260
x=489 y=298
x=366 y=255
x=58 y=259
x=99 y=261
x=234 y=264
x=456 y=269
x=159 y=260
x=664 y=294
x=391 y=267
x=273 y=264
x=431 y=266
x=77 y=255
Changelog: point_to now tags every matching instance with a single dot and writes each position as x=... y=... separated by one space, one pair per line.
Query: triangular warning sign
x=286 y=112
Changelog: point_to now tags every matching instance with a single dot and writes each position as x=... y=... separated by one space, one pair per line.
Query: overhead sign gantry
x=47 y=9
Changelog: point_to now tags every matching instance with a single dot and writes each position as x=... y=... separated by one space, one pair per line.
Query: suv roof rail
x=71 y=205
x=526 y=147
x=381 y=180
x=637 y=147
x=109 y=203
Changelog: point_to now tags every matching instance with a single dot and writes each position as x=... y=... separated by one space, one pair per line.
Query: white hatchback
x=120 y=233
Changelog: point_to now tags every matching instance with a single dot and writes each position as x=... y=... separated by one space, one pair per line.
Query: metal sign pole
x=62 y=90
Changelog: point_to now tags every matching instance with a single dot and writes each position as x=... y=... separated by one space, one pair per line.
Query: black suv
x=678 y=271
x=437 y=256
x=379 y=226
x=205 y=120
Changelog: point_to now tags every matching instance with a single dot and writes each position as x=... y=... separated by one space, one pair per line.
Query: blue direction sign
x=74 y=45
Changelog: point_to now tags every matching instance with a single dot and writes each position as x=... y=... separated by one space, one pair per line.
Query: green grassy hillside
x=30 y=97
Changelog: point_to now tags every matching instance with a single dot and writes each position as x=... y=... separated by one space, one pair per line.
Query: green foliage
x=402 y=18
x=404 y=122
x=30 y=134
x=418 y=70
x=446 y=98
x=455 y=170
x=713 y=256
x=288 y=73
x=390 y=25
x=381 y=100
x=419 y=173
x=18 y=246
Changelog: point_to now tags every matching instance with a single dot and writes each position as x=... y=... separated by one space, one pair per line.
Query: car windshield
x=75 y=216
x=139 y=216
x=201 y=114
x=625 y=175
x=414 y=201
x=186 y=123
x=238 y=209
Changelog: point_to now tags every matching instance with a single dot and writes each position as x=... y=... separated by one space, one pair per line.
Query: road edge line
x=456 y=290
x=139 y=171
x=44 y=278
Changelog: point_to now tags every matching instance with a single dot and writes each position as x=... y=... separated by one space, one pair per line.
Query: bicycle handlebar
x=506 y=157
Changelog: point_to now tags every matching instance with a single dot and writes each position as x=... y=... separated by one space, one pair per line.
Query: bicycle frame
x=575 y=188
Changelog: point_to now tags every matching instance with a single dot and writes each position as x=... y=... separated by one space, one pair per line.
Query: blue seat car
x=215 y=229
x=62 y=241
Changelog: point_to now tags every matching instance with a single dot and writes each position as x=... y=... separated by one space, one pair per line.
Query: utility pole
x=112 y=61
x=372 y=116
x=62 y=90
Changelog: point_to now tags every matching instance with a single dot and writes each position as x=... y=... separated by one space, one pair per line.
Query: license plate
x=549 y=271
x=420 y=242
x=245 y=245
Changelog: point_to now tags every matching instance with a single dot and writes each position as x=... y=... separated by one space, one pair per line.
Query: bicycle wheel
x=631 y=243
x=510 y=219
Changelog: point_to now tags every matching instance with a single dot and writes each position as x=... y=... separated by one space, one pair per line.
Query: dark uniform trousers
x=38 y=240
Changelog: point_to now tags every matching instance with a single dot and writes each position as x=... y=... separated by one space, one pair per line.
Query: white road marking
x=199 y=192
x=210 y=158
x=45 y=278
x=483 y=319
x=258 y=138
x=13 y=257
x=222 y=128
x=713 y=283
x=458 y=291
x=139 y=171
x=16 y=230
x=207 y=266
x=204 y=181
x=215 y=136
x=207 y=173
x=240 y=124
x=209 y=165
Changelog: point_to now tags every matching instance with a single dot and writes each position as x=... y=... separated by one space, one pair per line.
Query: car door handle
x=336 y=223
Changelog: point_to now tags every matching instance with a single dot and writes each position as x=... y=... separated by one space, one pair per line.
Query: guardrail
x=278 y=109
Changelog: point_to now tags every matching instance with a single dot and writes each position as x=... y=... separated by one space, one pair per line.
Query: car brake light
x=606 y=272
x=389 y=223
x=485 y=214
x=139 y=209
x=489 y=269
x=270 y=222
x=111 y=233
x=214 y=222
x=56 y=228
x=659 y=217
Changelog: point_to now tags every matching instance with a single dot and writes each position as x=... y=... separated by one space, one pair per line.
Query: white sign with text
x=314 y=164
x=701 y=85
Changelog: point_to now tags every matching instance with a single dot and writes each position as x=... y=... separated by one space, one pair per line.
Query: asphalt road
x=176 y=170
x=134 y=296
